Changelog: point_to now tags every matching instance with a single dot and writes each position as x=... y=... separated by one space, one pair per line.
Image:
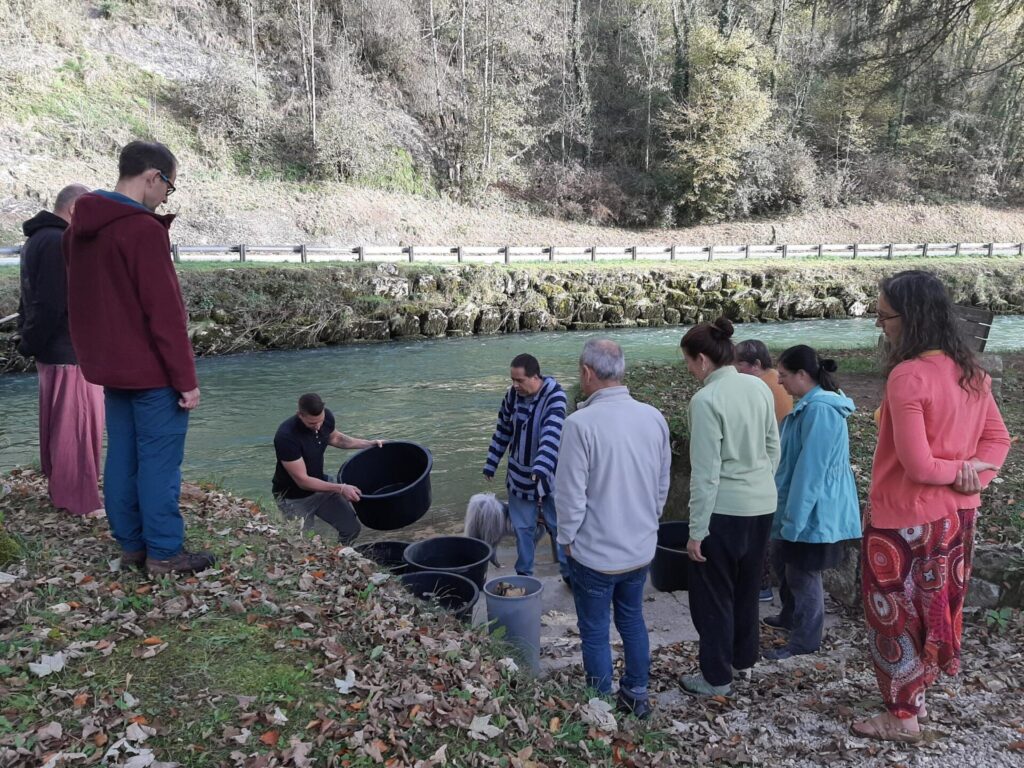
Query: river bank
x=256 y=307
x=289 y=654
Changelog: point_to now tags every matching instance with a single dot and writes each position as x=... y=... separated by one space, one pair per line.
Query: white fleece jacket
x=612 y=481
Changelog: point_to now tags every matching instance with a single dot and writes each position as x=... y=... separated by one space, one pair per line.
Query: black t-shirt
x=294 y=440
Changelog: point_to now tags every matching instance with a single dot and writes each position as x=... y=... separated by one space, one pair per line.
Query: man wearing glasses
x=129 y=331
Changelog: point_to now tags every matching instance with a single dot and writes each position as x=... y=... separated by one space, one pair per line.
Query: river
x=441 y=393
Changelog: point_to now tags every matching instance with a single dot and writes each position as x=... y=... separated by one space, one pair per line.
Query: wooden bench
x=977 y=324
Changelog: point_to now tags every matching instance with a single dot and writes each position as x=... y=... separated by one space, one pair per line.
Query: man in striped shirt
x=530 y=429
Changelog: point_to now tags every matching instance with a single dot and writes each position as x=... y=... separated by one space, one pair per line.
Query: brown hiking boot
x=183 y=562
x=136 y=559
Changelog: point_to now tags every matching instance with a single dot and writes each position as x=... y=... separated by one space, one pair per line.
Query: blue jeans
x=142 y=475
x=523 y=515
x=594 y=594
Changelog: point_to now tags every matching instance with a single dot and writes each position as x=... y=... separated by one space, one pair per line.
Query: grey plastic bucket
x=518 y=616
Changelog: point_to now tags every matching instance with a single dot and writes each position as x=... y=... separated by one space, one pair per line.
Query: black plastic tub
x=453 y=554
x=671 y=563
x=451 y=591
x=386 y=554
x=394 y=480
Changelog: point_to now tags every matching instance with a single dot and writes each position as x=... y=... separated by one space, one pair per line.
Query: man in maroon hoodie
x=130 y=334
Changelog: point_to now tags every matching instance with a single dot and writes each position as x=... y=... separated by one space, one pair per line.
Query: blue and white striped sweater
x=531 y=430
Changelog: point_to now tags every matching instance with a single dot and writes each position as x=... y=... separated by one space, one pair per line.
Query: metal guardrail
x=509 y=254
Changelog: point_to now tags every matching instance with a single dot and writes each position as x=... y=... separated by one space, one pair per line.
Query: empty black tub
x=387 y=554
x=395 y=483
x=671 y=563
x=454 y=554
x=452 y=592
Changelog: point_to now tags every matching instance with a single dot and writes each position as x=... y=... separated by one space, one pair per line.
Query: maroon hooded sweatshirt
x=127 y=318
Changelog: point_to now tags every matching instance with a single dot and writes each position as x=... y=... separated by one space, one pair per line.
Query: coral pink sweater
x=928 y=427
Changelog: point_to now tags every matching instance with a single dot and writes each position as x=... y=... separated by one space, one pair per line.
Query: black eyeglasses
x=883 y=318
x=165 y=180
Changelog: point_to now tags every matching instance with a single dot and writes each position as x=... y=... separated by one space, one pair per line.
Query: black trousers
x=724 y=594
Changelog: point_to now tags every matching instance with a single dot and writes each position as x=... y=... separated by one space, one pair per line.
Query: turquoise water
x=441 y=393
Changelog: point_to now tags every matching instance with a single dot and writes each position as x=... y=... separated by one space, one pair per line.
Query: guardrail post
x=508 y=251
x=174 y=254
x=1020 y=249
x=956 y=251
x=593 y=253
x=711 y=253
x=241 y=252
x=819 y=250
x=551 y=253
x=746 y=251
x=303 y=257
x=411 y=248
x=991 y=249
x=924 y=250
x=889 y=255
x=672 y=253
x=458 y=254
x=360 y=253
x=785 y=250
x=632 y=252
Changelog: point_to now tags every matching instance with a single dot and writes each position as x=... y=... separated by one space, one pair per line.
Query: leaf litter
x=398 y=684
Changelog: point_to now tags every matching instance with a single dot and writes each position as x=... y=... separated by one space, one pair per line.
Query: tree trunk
x=681 y=59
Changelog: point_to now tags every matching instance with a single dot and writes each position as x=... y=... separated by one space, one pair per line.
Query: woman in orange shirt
x=940 y=441
x=752 y=357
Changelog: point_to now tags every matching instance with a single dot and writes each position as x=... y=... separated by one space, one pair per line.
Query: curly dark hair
x=928 y=321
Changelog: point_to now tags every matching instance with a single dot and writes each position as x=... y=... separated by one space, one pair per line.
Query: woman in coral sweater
x=940 y=441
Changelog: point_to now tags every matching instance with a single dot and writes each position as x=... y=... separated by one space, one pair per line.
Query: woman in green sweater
x=734 y=452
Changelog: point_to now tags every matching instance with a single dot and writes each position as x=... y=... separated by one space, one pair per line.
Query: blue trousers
x=523 y=515
x=142 y=475
x=595 y=594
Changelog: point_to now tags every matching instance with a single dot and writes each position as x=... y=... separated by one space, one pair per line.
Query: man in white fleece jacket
x=610 y=488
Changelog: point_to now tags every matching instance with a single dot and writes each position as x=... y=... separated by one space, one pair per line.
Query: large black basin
x=395 y=483
x=671 y=563
x=451 y=591
x=454 y=554
x=386 y=554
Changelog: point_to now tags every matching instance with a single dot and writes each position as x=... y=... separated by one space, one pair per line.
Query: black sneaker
x=627 y=705
x=775 y=622
x=183 y=562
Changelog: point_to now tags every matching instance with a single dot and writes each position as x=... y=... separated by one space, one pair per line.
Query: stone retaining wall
x=243 y=309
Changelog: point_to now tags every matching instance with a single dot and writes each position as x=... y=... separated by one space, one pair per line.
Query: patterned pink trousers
x=70 y=437
x=913 y=583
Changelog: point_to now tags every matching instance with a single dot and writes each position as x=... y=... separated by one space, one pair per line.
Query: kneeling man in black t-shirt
x=301 y=488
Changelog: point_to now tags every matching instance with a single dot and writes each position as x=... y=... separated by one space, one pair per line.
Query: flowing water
x=441 y=393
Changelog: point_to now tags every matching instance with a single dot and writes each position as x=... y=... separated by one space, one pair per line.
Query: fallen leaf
x=270 y=738
x=48 y=664
x=152 y=640
x=481 y=728
x=51 y=730
x=81 y=700
x=555 y=725
x=346 y=685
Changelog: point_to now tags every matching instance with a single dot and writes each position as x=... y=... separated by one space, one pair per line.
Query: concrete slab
x=667 y=613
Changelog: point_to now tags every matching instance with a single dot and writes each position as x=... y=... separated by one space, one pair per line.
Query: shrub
x=777 y=176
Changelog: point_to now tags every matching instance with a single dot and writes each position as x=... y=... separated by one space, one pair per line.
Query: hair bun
x=829 y=365
x=722 y=328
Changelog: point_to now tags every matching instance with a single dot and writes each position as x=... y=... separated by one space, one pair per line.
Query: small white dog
x=487 y=519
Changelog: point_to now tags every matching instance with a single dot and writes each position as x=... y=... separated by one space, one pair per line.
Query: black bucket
x=394 y=480
x=671 y=563
x=387 y=554
x=452 y=592
x=453 y=554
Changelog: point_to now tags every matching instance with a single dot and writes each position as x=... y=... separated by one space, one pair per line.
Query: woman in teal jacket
x=818 y=507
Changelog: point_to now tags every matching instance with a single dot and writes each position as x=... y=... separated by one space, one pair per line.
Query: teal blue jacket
x=817 y=494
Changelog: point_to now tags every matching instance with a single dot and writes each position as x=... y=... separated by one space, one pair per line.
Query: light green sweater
x=734 y=449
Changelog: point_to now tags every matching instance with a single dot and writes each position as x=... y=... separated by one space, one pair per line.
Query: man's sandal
x=879 y=728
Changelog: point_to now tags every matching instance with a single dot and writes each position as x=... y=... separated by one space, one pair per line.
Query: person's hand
x=380 y=443
x=488 y=478
x=189 y=400
x=693 y=550
x=350 y=492
x=568 y=551
x=967 y=479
